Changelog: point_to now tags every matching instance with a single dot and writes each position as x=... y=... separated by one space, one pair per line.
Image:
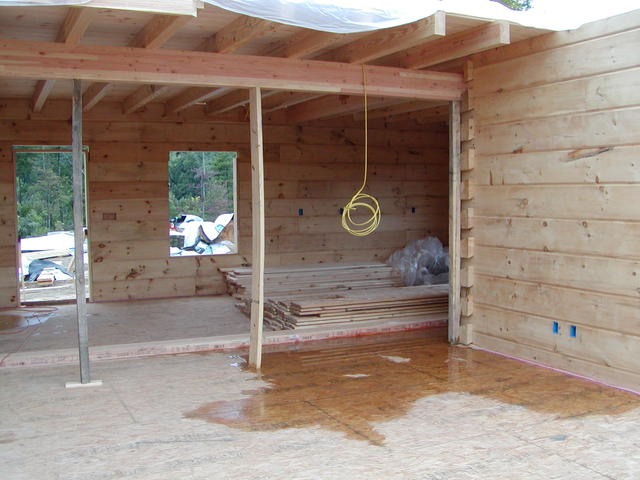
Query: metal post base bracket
x=94 y=383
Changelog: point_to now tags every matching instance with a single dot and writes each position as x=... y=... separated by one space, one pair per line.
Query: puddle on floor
x=351 y=386
x=20 y=320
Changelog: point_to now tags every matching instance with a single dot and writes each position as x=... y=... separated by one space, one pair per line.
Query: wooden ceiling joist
x=334 y=106
x=192 y=96
x=237 y=34
x=385 y=42
x=372 y=46
x=154 y=34
x=305 y=44
x=397 y=109
x=73 y=28
x=21 y=59
x=75 y=25
x=286 y=99
x=142 y=96
x=451 y=47
x=94 y=94
x=299 y=45
x=228 y=39
x=235 y=99
x=159 y=30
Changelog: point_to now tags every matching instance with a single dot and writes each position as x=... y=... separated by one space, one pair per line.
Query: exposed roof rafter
x=334 y=106
x=73 y=28
x=451 y=47
x=154 y=34
x=390 y=40
x=230 y=38
x=192 y=96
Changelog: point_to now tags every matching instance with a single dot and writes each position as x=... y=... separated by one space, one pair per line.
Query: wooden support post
x=454 y=222
x=78 y=231
x=257 y=201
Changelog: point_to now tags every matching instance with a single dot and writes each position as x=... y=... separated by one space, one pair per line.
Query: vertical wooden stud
x=454 y=222
x=258 y=246
x=78 y=232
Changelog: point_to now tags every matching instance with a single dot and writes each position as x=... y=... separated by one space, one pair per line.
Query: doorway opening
x=44 y=203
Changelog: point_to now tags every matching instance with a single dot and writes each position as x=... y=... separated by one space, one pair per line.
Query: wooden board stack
x=309 y=296
x=312 y=279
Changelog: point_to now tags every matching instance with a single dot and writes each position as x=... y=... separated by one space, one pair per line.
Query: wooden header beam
x=22 y=59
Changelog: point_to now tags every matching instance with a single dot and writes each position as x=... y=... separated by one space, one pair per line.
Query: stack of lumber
x=355 y=306
x=314 y=280
x=309 y=296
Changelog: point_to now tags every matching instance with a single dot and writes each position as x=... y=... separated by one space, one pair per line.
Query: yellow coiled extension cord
x=360 y=199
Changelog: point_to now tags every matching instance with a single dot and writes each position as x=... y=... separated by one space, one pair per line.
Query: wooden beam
x=22 y=59
x=286 y=99
x=258 y=242
x=192 y=96
x=73 y=28
x=230 y=38
x=142 y=96
x=94 y=94
x=421 y=117
x=454 y=222
x=75 y=25
x=41 y=93
x=452 y=47
x=305 y=43
x=397 y=109
x=300 y=45
x=154 y=34
x=237 y=34
x=236 y=98
x=391 y=40
x=78 y=231
x=333 y=106
x=158 y=30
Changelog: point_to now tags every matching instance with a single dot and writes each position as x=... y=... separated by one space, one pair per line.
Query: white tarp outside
x=349 y=16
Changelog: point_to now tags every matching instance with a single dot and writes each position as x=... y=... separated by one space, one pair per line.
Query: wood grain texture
x=556 y=222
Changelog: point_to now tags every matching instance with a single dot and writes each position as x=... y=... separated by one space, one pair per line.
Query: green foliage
x=201 y=183
x=515 y=4
x=44 y=192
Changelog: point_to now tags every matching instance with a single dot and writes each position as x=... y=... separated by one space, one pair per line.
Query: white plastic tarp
x=350 y=16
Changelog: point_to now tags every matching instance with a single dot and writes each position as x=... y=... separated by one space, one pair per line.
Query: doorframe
x=15 y=149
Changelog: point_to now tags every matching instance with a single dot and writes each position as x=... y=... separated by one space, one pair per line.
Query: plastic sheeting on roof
x=351 y=16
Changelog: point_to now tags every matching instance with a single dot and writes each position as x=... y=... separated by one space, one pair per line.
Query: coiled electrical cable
x=361 y=200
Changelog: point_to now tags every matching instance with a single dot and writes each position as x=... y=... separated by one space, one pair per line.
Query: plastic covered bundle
x=422 y=262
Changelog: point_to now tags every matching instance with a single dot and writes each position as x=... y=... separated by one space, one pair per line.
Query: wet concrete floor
x=354 y=384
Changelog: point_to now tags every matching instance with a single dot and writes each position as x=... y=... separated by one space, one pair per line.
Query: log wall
x=314 y=168
x=557 y=183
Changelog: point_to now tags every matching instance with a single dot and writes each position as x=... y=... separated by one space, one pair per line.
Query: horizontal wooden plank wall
x=557 y=185
x=314 y=168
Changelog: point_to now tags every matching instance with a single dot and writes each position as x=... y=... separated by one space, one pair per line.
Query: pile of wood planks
x=312 y=279
x=309 y=296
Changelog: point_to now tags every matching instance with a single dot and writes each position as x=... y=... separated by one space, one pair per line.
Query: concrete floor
x=406 y=406
x=122 y=322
